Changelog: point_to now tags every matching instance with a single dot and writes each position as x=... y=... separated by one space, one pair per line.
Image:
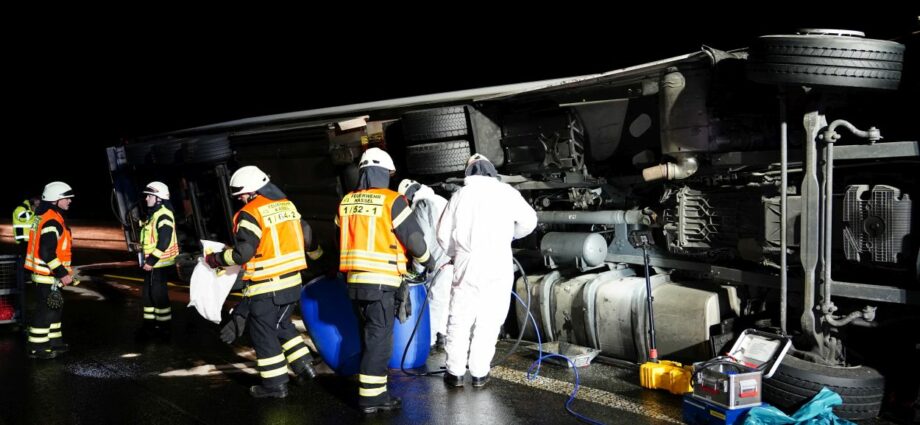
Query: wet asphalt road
x=110 y=378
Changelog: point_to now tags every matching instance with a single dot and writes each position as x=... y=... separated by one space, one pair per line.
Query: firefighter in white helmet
x=481 y=220
x=428 y=207
x=269 y=244
x=376 y=232
x=48 y=258
x=160 y=249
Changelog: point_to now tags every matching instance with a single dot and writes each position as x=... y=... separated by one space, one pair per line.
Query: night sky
x=94 y=85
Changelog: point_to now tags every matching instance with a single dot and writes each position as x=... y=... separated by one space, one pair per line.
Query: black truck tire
x=796 y=381
x=167 y=153
x=437 y=158
x=435 y=124
x=826 y=60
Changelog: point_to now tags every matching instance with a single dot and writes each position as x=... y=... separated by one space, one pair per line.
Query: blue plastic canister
x=331 y=322
x=419 y=346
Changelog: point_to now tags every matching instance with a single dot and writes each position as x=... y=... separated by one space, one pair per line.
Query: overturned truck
x=776 y=182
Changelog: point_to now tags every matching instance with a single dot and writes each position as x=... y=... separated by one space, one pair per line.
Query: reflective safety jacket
x=22 y=221
x=46 y=269
x=164 y=254
x=370 y=252
x=279 y=257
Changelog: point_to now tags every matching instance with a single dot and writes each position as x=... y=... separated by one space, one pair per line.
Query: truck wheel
x=796 y=381
x=435 y=124
x=826 y=58
x=438 y=158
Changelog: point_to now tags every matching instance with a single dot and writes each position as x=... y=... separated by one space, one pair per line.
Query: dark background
x=90 y=86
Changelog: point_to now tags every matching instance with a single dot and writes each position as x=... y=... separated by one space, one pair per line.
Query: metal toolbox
x=734 y=381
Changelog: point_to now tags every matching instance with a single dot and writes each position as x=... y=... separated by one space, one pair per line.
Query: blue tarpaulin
x=819 y=410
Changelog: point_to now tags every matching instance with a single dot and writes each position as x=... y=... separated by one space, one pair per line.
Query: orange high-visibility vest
x=41 y=270
x=281 y=249
x=370 y=251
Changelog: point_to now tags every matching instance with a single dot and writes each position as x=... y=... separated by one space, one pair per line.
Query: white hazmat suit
x=428 y=207
x=481 y=220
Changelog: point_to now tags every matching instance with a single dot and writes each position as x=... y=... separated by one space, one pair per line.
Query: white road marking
x=593 y=395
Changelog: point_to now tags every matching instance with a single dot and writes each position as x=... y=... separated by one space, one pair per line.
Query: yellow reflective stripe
x=228 y=257
x=272 y=285
x=292 y=343
x=314 y=255
x=274 y=372
x=298 y=354
x=40 y=331
x=424 y=257
x=372 y=379
x=22 y=226
x=402 y=217
x=370 y=266
x=37 y=278
x=374 y=278
x=149 y=309
x=365 y=253
x=163 y=318
x=296 y=255
x=280 y=269
x=55 y=263
x=37 y=340
x=165 y=223
x=53 y=335
x=254 y=228
x=55 y=325
x=270 y=360
x=149 y=316
x=162 y=310
x=49 y=229
x=371 y=392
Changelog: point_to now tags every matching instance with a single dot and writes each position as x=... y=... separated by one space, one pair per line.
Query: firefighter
x=48 y=258
x=158 y=236
x=375 y=233
x=22 y=222
x=269 y=244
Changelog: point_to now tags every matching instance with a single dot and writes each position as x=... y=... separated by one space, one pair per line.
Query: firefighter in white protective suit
x=428 y=207
x=476 y=230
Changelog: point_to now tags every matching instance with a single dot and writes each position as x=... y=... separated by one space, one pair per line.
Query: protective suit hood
x=481 y=167
x=373 y=177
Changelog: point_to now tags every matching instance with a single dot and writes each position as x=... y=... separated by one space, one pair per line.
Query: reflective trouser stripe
x=38 y=335
x=57 y=327
x=372 y=392
x=272 y=366
x=371 y=379
x=291 y=343
x=298 y=354
x=148 y=313
x=163 y=314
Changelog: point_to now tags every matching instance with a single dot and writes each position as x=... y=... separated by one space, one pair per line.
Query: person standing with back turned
x=481 y=220
x=377 y=229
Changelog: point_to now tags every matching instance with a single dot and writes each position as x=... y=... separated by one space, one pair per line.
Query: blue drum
x=331 y=322
x=419 y=346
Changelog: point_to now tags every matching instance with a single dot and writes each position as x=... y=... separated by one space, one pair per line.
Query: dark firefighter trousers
x=276 y=340
x=376 y=319
x=45 y=331
x=155 y=298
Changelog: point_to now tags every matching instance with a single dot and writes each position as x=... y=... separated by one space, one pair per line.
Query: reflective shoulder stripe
x=165 y=223
x=402 y=216
x=49 y=229
x=315 y=254
x=252 y=227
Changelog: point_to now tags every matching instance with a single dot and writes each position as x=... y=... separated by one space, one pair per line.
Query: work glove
x=211 y=261
x=55 y=300
x=403 y=303
x=235 y=325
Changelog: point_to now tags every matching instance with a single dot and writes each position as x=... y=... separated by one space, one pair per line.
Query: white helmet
x=247 y=180
x=405 y=184
x=157 y=189
x=56 y=190
x=378 y=158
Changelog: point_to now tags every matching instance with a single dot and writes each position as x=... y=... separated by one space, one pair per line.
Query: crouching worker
x=269 y=244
